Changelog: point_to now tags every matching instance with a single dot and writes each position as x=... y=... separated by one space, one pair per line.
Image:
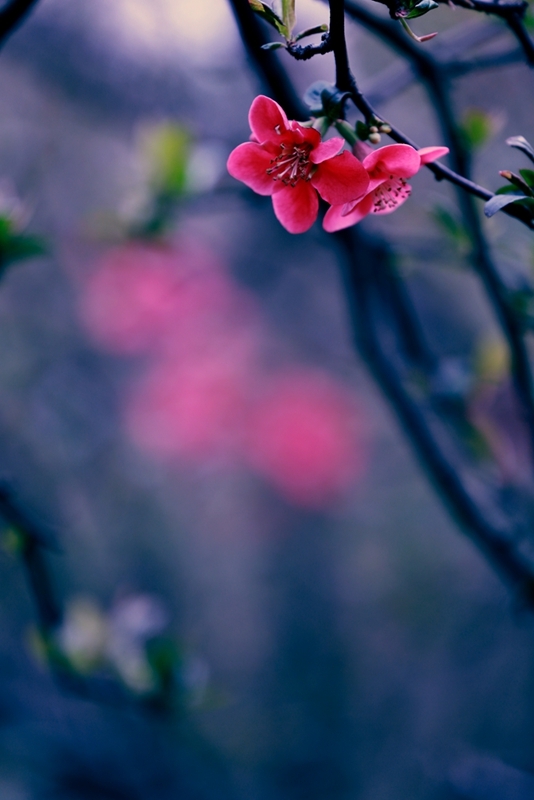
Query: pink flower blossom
x=389 y=168
x=128 y=297
x=289 y=162
x=305 y=438
x=191 y=410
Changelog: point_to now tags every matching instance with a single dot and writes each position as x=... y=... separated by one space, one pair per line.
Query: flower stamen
x=390 y=194
x=292 y=165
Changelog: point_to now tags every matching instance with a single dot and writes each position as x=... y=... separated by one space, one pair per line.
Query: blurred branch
x=32 y=543
x=12 y=15
x=512 y=12
x=497 y=543
x=265 y=63
x=517 y=26
x=461 y=68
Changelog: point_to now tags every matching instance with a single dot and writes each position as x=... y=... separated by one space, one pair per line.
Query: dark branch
x=517 y=26
x=504 y=9
x=305 y=52
x=433 y=77
x=33 y=542
x=13 y=15
x=496 y=543
x=265 y=63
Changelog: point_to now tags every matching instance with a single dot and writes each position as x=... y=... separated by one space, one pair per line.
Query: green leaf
x=6 y=229
x=476 y=127
x=269 y=16
x=452 y=227
x=288 y=15
x=167 y=148
x=18 y=248
x=419 y=9
x=272 y=46
x=521 y=144
x=508 y=189
x=528 y=176
x=499 y=201
x=311 y=32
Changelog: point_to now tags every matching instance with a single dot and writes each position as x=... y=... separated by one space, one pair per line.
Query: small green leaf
x=516 y=181
x=452 y=227
x=20 y=247
x=311 y=32
x=347 y=131
x=269 y=16
x=167 y=148
x=288 y=15
x=508 y=189
x=521 y=144
x=499 y=201
x=272 y=46
x=528 y=176
x=477 y=127
x=420 y=8
x=6 y=229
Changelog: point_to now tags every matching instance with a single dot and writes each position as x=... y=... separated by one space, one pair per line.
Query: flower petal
x=390 y=195
x=267 y=119
x=429 y=154
x=249 y=163
x=296 y=207
x=335 y=220
x=398 y=160
x=300 y=134
x=341 y=179
x=326 y=150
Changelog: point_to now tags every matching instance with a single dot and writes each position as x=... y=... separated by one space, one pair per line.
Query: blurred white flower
x=83 y=635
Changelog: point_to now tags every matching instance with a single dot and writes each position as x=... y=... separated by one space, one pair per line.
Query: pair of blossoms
x=292 y=164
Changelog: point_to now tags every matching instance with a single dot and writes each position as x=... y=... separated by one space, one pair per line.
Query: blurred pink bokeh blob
x=205 y=393
x=305 y=437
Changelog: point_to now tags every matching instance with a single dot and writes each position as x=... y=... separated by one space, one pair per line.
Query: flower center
x=390 y=194
x=292 y=165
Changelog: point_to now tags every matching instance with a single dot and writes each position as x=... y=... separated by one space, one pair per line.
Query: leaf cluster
x=283 y=23
x=520 y=188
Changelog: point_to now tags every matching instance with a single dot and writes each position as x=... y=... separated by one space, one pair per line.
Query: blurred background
x=230 y=498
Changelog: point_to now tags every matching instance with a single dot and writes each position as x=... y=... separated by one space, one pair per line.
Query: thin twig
x=307 y=51
x=512 y=12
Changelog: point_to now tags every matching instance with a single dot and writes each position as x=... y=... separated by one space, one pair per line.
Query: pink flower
x=291 y=163
x=128 y=297
x=191 y=410
x=388 y=169
x=305 y=438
